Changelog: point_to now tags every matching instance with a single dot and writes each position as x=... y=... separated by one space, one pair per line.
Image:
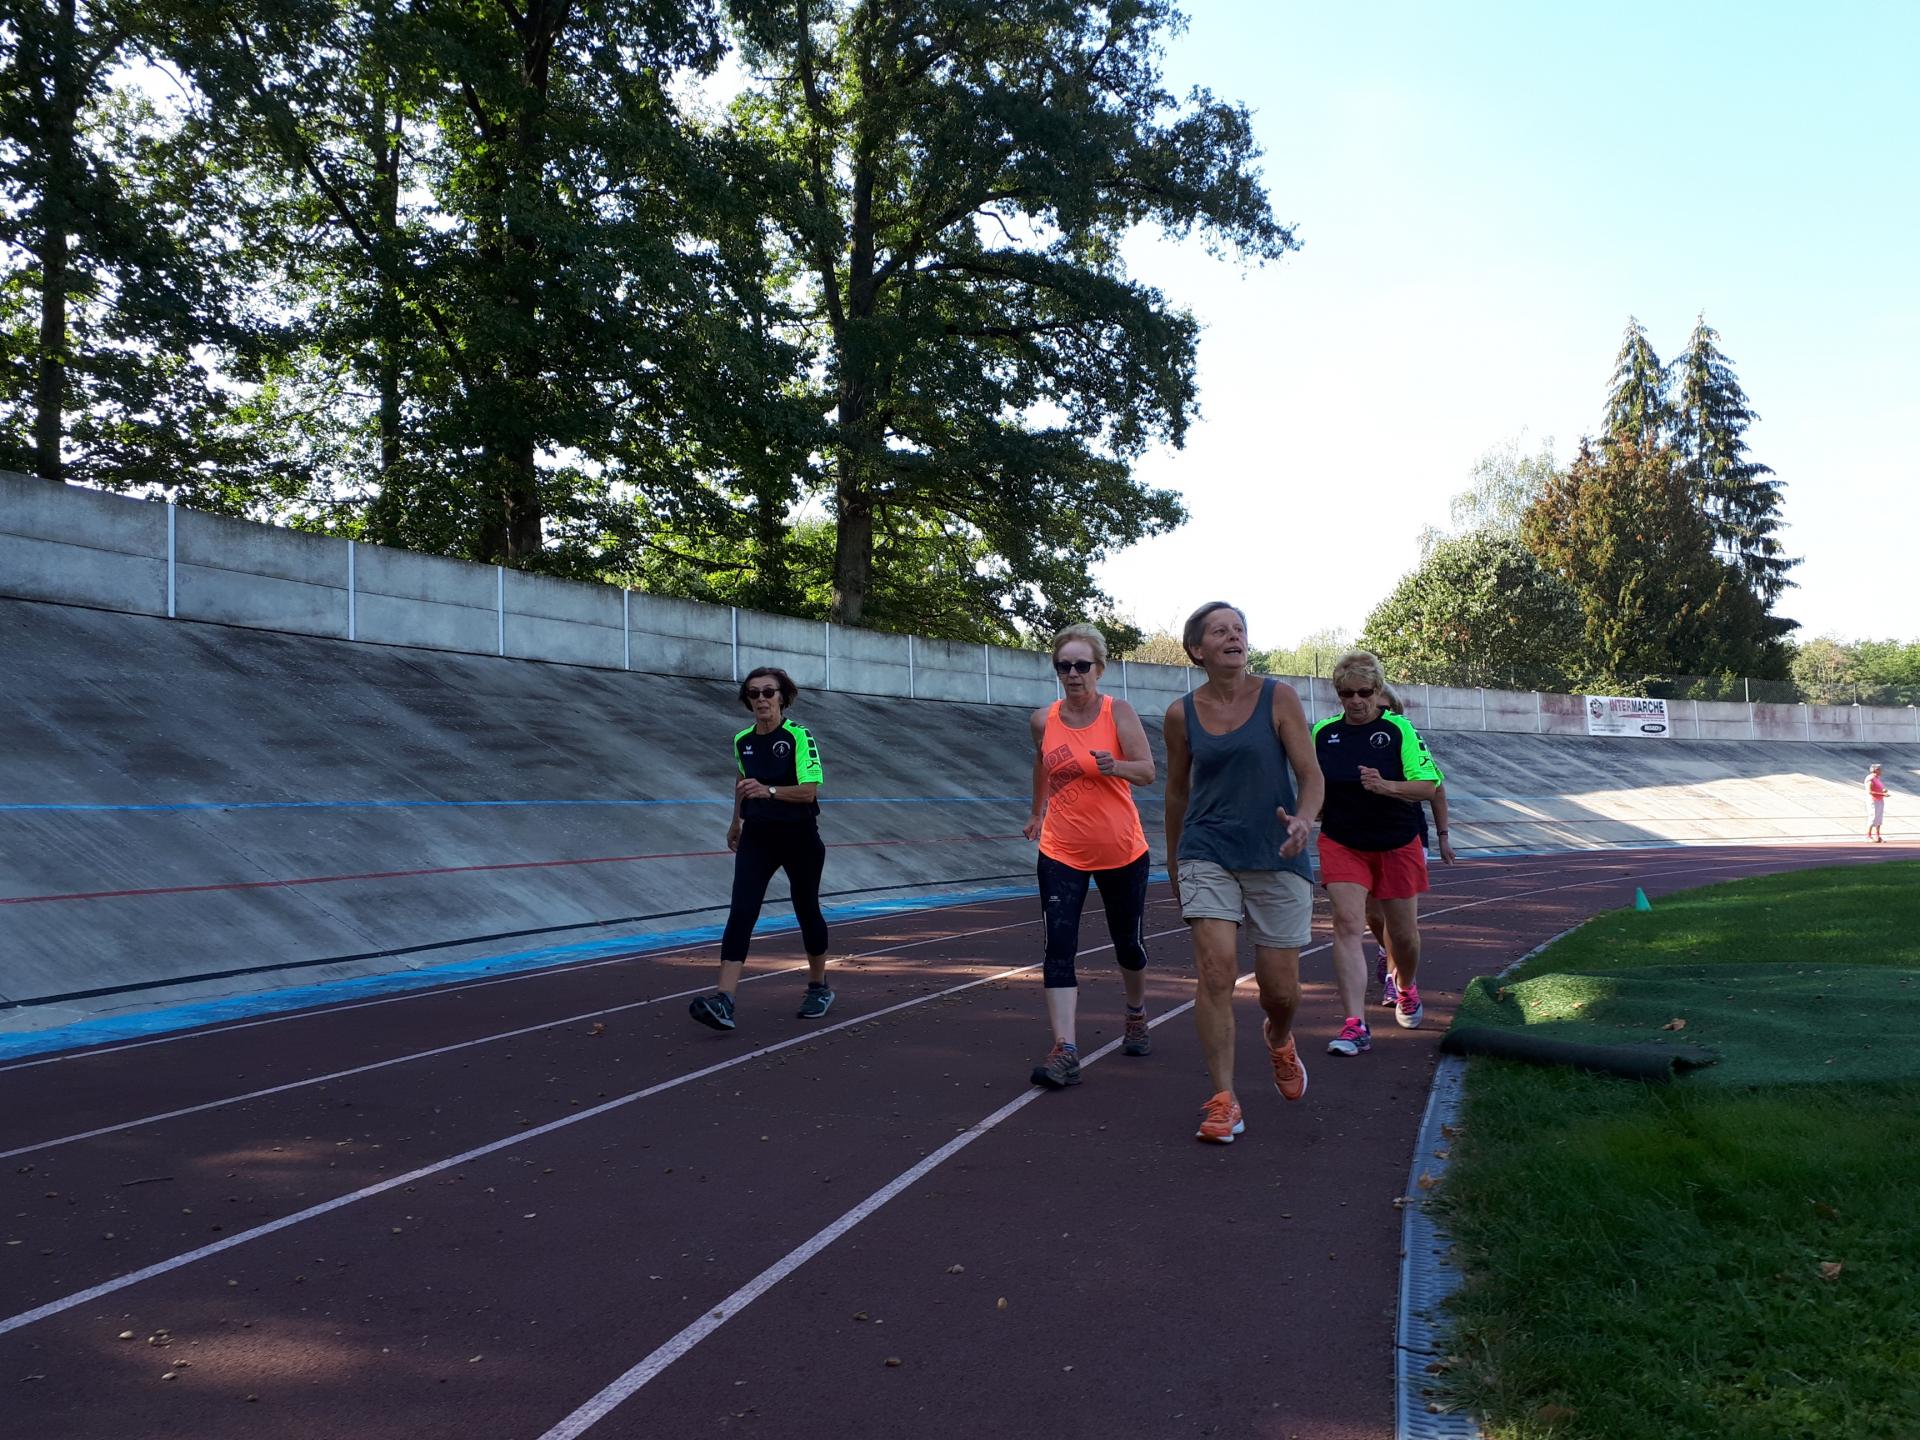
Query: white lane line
x=163 y=1267
x=629 y=1384
x=434 y=991
x=340 y=1202
x=469 y=1044
x=677 y=1347
x=430 y=992
x=204 y=1106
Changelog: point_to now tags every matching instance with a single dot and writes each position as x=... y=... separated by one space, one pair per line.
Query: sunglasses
x=769 y=694
x=1073 y=667
x=1366 y=694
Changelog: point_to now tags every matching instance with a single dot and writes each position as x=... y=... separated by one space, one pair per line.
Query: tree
x=1740 y=501
x=965 y=174
x=1638 y=410
x=1481 y=609
x=1503 y=484
x=1622 y=529
x=1314 y=655
x=554 y=281
x=115 y=300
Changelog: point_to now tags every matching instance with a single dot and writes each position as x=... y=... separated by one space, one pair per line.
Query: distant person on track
x=1376 y=915
x=1089 y=751
x=1242 y=793
x=1876 y=804
x=776 y=826
x=1378 y=773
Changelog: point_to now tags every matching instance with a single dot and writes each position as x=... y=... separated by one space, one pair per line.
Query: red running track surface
x=550 y=1205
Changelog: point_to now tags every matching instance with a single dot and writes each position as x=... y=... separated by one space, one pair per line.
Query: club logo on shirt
x=1380 y=740
x=783 y=747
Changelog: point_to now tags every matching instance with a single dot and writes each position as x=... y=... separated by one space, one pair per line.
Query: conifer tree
x=1638 y=410
x=1736 y=494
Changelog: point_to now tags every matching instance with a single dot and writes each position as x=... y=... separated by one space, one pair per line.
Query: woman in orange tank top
x=1089 y=750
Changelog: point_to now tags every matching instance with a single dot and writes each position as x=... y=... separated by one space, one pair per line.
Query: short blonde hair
x=1361 y=665
x=1095 y=641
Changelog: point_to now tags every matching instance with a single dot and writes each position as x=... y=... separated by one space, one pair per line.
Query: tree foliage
x=964 y=175
x=1622 y=528
x=1481 y=609
x=1639 y=411
x=1739 y=497
x=117 y=301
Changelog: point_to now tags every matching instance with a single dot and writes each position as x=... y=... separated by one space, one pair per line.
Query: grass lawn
x=1735 y=1260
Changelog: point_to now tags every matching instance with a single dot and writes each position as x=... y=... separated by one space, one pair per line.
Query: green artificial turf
x=1660 y=1260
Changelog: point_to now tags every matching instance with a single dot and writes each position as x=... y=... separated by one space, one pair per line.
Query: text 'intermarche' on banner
x=1627 y=715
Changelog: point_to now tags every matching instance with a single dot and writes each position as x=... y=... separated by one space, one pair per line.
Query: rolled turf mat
x=1635 y=1062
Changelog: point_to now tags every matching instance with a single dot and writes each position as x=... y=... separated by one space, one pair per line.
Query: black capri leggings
x=1063 y=893
x=765 y=848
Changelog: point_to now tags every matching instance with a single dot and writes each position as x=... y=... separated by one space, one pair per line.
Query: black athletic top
x=1352 y=814
x=787 y=756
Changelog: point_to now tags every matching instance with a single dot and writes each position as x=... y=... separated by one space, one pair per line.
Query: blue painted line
x=108 y=1029
x=483 y=804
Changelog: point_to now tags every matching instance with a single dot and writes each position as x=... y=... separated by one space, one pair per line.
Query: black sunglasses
x=769 y=694
x=1366 y=694
x=1073 y=667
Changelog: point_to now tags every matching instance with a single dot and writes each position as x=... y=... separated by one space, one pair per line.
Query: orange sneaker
x=1220 y=1119
x=1289 y=1075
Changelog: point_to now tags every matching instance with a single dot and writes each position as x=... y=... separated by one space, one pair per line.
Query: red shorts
x=1397 y=874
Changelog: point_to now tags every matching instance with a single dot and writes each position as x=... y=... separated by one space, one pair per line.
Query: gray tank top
x=1235 y=782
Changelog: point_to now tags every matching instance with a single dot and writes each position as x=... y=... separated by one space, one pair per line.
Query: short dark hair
x=788 y=690
x=1195 y=630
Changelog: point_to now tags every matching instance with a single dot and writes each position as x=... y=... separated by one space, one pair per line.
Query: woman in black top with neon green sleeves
x=775 y=826
x=1378 y=772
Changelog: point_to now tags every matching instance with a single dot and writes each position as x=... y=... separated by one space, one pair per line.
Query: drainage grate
x=1427 y=1278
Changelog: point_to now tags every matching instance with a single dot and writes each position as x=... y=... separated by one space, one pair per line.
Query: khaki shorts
x=1278 y=904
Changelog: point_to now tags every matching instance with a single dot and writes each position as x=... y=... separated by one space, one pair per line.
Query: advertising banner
x=1627 y=715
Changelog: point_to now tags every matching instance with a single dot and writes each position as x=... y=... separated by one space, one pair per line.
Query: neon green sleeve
x=806 y=756
x=1416 y=761
x=738 y=763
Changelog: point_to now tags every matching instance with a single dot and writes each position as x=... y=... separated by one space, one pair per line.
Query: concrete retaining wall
x=80 y=547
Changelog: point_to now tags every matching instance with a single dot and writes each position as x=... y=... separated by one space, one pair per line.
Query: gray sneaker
x=818 y=1000
x=1136 y=1039
x=715 y=1010
x=1060 y=1069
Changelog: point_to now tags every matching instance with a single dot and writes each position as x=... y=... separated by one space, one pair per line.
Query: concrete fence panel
x=563 y=621
x=798 y=647
x=82 y=547
x=233 y=572
x=1025 y=677
x=949 y=670
x=1451 y=707
x=870 y=663
x=681 y=637
x=425 y=600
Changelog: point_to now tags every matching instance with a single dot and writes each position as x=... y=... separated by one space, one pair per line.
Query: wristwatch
x=772 y=794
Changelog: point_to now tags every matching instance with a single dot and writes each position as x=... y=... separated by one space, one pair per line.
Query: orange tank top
x=1092 y=822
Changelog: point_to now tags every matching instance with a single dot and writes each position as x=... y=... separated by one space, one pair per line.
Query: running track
x=548 y=1205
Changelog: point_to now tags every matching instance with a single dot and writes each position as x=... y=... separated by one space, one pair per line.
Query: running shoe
x=1138 y=1039
x=1354 y=1038
x=819 y=1000
x=1408 y=1010
x=1060 y=1069
x=1220 y=1120
x=1389 y=992
x=715 y=1010
x=1289 y=1075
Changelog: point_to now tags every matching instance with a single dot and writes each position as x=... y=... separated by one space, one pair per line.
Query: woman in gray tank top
x=1243 y=790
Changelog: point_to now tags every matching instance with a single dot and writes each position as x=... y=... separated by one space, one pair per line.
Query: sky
x=1485 y=193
